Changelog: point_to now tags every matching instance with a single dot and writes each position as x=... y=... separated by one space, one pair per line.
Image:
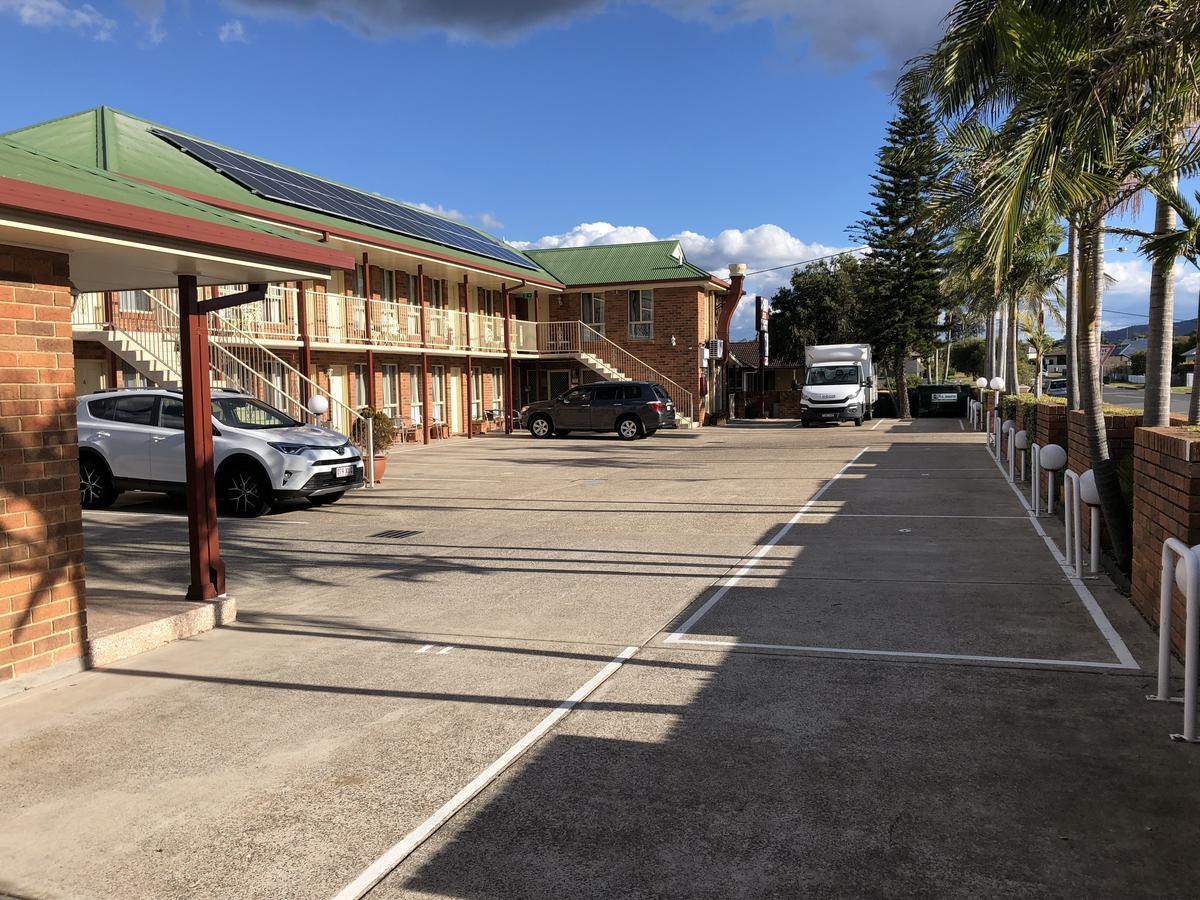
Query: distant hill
x=1130 y=332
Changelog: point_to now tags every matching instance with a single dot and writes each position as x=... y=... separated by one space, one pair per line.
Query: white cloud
x=764 y=247
x=232 y=32
x=490 y=222
x=439 y=210
x=55 y=14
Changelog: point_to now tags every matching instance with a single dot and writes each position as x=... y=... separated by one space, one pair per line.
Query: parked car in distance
x=1056 y=387
x=633 y=409
x=132 y=440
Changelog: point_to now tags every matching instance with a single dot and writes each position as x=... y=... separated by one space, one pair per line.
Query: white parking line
x=1125 y=659
x=877 y=424
x=397 y=853
x=758 y=555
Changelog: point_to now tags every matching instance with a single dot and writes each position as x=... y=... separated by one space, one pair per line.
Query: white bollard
x=1051 y=458
x=1180 y=566
x=1035 y=453
x=1072 y=522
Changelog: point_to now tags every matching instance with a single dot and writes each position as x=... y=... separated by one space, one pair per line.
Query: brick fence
x=1166 y=503
x=1120 y=428
x=41 y=526
x=1051 y=429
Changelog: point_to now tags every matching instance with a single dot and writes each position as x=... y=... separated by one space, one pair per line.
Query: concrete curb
x=123 y=644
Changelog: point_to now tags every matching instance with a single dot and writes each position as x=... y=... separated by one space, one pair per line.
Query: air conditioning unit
x=716 y=348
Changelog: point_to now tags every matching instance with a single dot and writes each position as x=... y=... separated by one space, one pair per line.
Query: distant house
x=780 y=375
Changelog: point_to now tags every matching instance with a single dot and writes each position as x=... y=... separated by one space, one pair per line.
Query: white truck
x=839 y=384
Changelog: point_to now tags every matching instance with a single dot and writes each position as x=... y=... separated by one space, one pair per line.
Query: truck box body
x=839 y=384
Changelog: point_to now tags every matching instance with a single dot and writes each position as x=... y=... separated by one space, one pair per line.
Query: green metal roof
x=22 y=163
x=118 y=142
x=618 y=263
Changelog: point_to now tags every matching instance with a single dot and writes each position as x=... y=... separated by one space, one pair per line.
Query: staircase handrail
x=583 y=338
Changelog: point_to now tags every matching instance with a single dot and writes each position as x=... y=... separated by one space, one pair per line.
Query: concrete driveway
x=735 y=662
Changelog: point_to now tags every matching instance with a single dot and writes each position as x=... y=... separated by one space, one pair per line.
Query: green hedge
x=1022 y=409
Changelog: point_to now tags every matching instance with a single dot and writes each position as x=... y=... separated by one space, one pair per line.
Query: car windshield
x=246 y=412
x=832 y=375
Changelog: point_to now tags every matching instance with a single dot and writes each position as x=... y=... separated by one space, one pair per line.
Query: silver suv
x=132 y=440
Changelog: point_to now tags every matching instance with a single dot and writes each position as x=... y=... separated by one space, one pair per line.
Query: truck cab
x=839 y=384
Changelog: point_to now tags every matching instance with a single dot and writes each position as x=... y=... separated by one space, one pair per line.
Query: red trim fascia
x=308 y=225
x=29 y=197
x=601 y=284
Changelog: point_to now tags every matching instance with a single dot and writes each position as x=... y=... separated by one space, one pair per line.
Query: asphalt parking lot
x=760 y=661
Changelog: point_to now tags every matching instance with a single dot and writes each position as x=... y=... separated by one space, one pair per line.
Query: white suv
x=132 y=440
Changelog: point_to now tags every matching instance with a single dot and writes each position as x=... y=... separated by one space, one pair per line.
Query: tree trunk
x=989 y=358
x=1161 y=334
x=1194 y=400
x=1071 y=338
x=902 y=410
x=1112 y=501
x=1002 y=344
x=946 y=377
x=1014 y=386
x=1040 y=349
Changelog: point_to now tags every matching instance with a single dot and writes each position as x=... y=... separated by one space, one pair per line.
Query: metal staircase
x=146 y=336
x=611 y=362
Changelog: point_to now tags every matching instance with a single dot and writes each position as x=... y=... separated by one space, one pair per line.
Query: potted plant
x=383 y=433
x=478 y=426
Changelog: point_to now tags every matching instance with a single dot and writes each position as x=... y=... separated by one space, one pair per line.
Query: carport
x=67 y=229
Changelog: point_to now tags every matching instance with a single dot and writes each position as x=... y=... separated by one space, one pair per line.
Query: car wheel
x=244 y=491
x=629 y=428
x=96 y=489
x=326 y=499
x=562 y=432
x=541 y=427
x=858 y=422
x=650 y=431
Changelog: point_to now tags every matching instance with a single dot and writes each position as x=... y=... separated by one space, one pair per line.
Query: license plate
x=343 y=471
x=828 y=415
x=945 y=398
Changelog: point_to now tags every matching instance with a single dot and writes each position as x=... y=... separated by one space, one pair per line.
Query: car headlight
x=291 y=449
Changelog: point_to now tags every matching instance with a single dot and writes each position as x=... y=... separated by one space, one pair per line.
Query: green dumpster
x=942 y=399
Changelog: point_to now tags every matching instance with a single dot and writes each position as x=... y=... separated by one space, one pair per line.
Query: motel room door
x=558 y=382
x=339 y=389
x=91 y=375
x=456 y=393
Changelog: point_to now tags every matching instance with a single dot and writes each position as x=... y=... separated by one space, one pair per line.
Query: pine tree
x=904 y=302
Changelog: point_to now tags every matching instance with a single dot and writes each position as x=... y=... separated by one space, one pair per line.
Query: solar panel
x=296 y=189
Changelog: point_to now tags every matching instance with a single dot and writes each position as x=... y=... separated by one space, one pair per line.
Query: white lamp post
x=318 y=405
x=1052 y=458
x=1021 y=442
x=980 y=418
x=1089 y=494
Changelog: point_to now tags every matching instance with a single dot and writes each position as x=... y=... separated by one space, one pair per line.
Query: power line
x=805 y=262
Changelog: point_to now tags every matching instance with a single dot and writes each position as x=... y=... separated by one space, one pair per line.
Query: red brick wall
x=1166 y=503
x=1051 y=429
x=1120 y=430
x=41 y=528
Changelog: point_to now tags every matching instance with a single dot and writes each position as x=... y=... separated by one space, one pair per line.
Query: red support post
x=466 y=306
x=424 y=301
x=110 y=310
x=207 y=569
x=305 y=340
x=367 y=322
x=508 y=385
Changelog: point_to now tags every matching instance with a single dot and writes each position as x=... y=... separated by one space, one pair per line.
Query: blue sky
x=747 y=127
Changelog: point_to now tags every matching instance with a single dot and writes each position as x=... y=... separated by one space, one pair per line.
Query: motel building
x=440 y=325
x=133 y=254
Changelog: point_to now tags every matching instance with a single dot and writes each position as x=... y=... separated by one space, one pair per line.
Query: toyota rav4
x=132 y=440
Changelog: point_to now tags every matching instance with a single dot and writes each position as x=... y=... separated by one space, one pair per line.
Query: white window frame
x=589 y=303
x=437 y=394
x=133 y=301
x=361 y=394
x=391 y=389
x=497 y=390
x=641 y=328
x=476 y=394
x=416 y=398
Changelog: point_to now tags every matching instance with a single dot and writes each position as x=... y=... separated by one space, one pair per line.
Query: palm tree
x=1069 y=83
x=1181 y=242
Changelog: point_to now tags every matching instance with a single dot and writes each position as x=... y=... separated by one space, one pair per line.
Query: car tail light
x=655 y=405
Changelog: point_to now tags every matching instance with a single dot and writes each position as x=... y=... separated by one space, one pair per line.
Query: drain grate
x=395 y=534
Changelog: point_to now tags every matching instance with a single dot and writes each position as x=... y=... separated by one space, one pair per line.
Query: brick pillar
x=1051 y=429
x=42 y=620
x=1120 y=429
x=1166 y=503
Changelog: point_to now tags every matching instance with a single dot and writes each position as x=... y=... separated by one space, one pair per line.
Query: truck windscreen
x=821 y=375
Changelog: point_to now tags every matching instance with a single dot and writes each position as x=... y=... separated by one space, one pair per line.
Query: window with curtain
x=497 y=390
x=476 y=395
x=415 y=403
x=591 y=311
x=360 y=385
x=641 y=315
x=391 y=389
x=437 y=393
